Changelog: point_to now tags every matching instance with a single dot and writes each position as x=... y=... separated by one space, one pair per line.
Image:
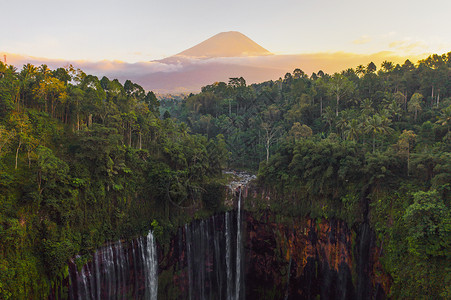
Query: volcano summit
x=225 y=44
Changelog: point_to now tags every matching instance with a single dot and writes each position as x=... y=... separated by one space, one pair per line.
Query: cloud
x=182 y=75
x=407 y=45
x=364 y=39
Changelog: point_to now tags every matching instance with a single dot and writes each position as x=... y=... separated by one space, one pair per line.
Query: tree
x=360 y=70
x=9 y=89
x=5 y=139
x=366 y=107
x=444 y=119
x=376 y=125
x=405 y=143
x=415 y=104
x=269 y=124
x=329 y=117
x=340 y=86
x=395 y=110
x=22 y=130
x=298 y=73
x=342 y=121
x=152 y=102
x=236 y=82
x=428 y=221
x=353 y=131
x=27 y=79
x=321 y=89
x=166 y=115
x=387 y=66
x=299 y=131
x=49 y=169
x=371 y=68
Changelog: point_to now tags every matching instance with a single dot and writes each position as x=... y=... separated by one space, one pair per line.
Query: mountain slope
x=225 y=44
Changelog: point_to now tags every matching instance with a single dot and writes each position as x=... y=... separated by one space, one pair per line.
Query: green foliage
x=429 y=223
x=84 y=161
x=213 y=196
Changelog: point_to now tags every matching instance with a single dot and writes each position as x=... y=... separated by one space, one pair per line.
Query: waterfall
x=238 y=250
x=228 y=256
x=212 y=261
x=115 y=272
x=151 y=266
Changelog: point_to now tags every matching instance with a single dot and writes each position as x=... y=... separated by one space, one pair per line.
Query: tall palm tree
x=385 y=128
x=339 y=86
x=444 y=118
x=353 y=130
x=367 y=107
x=395 y=109
x=329 y=117
x=387 y=66
x=27 y=77
x=3 y=69
x=342 y=121
x=360 y=70
x=415 y=104
x=373 y=127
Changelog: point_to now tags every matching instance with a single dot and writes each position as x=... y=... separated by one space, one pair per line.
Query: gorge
x=240 y=255
x=351 y=197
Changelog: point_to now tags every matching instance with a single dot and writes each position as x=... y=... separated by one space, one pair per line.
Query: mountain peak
x=225 y=44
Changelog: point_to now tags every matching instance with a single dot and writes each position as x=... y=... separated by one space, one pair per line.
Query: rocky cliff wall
x=282 y=258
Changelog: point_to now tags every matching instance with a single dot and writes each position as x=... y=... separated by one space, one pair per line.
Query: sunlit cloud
x=177 y=74
x=408 y=45
x=364 y=39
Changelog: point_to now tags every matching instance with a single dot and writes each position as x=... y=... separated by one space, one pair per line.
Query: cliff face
x=275 y=258
x=284 y=258
x=303 y=258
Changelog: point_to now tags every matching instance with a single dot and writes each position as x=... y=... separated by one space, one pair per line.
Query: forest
x=84 y=161
x=363 y=145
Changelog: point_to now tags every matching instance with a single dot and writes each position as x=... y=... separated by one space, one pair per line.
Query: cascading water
x=213 y=263
x=212 y=254
x=238 y=266
x=118 y=272
x=228 y=256
x=206 y=261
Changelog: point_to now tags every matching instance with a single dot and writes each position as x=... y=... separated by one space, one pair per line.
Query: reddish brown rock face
x=301 y=258
x=283 y=258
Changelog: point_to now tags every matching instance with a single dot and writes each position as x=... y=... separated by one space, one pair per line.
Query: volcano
x=223 y=56
x=225 y=44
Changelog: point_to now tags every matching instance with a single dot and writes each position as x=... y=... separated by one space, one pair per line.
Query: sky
x=145 y=30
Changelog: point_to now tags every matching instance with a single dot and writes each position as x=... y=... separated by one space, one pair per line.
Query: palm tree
x=339 y=85
x=329 y=117
x=394 y=109
x=343 y=120
x=367 y=107
x=373 y=127
x=444 y=118
x=415 y=104
x=352 y=131
x=401 y=99
x=387 y=66
x=44 y=70
x=371 y=68
x=27 y=76
x=3 y=69
x=360 y=70
x=385 y=125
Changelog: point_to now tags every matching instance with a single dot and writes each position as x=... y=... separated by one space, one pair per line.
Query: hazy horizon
x=150 y=30
x=190 y=75
x=140 y=40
